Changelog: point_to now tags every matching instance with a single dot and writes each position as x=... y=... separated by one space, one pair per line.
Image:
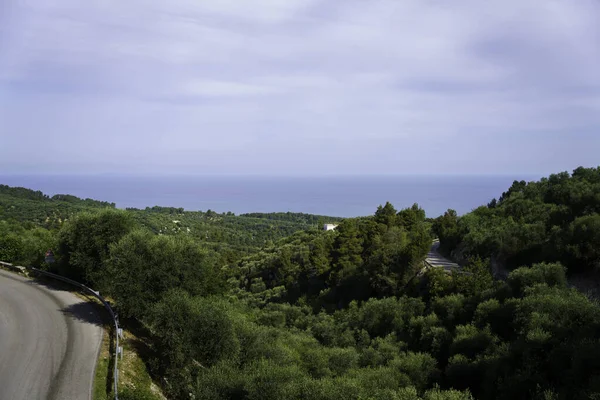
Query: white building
x=329 y=227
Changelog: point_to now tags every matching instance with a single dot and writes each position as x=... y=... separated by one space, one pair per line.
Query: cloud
x=213 y=88
x=304 y=85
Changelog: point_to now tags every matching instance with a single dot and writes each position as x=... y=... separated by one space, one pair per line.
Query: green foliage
x=556 y=219
x=421 y=368
x=308 y=219
x=34 y=207
x=380 y=317
x=232 y=237
x=475 y=278
x=471 y=341
x=190 y=330
x=386 y=215
x=308 y=314
x=582 y=240
x=499 y=316
x=359 y=260
x=381 y=351
x=23 y=193
x=341 y=360
x=24 y=245
x=549 y=274
x=142 y=267
x=437 y=394
x=35 y=243
x=410 y=217
x=447 y=230
x=11 y=247
x=348 y=253
x=83 y=244
x=451 y=309
x=84 y=202
x=129 y=393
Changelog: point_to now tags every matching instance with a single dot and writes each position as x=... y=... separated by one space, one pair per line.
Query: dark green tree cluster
x=448 y=337
x=34 y=208
x=166 y=210
x=83 y=244
x=106 y=250
x=554 y=220
x=528 y=338
x=84 y=202
x=308 y=219
x=143 y=267
x=222 y=349
x=230 y=236
x=24 y=245
x=23 y=193
x=360 y=259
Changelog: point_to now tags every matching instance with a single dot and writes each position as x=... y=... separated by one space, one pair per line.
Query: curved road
x=436 y=260
x=49 y=342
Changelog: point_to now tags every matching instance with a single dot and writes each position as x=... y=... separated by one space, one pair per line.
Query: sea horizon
x=331 y=195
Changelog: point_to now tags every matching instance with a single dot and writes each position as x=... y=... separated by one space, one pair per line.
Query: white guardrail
x=118 y=332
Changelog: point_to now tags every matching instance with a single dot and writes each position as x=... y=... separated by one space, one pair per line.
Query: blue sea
x=333 y=196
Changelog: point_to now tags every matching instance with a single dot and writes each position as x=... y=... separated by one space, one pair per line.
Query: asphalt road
x=436 y=260
x=49 y=342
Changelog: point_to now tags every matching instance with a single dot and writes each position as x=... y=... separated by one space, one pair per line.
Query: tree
x=421 y=368
x=549 y=274
x=386 y=215
x=192 y=333
x=11 y=248
x=475 y=278
x=584 y=243
x=517 y=187
x=320 y=251
x=348 y=251
x=446 y=229
x=386 y=266
x=143 y=267
x=420 y=243
x=409 y=217
x=35 y=244
x=84 y=244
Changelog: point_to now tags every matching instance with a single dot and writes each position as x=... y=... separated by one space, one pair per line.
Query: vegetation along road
x=49 y=342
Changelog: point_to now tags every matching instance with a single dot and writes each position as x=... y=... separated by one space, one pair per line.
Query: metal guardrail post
x=118 y=331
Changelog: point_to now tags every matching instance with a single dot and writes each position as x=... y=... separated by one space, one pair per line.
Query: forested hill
x=36 y=195
x=26 y=205
x=363 y=258
x=301 y=313
x=319 y=220
x=556 y=219
x=30 y=215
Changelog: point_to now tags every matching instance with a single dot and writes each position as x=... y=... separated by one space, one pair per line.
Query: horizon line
x=247 y=175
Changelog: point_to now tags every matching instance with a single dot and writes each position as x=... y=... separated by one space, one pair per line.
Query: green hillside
x=270 y=306
x=26 y=212
x=554 y=220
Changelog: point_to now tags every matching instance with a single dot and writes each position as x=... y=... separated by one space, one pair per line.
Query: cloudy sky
x=299 y=86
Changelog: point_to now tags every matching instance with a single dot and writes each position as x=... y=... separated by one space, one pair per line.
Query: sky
x=299 y=87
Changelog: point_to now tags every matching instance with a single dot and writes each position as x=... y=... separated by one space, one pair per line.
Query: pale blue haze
x=333 y=196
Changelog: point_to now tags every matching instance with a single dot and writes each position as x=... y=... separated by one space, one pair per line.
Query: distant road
x=49 y=342
x=435 y=259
